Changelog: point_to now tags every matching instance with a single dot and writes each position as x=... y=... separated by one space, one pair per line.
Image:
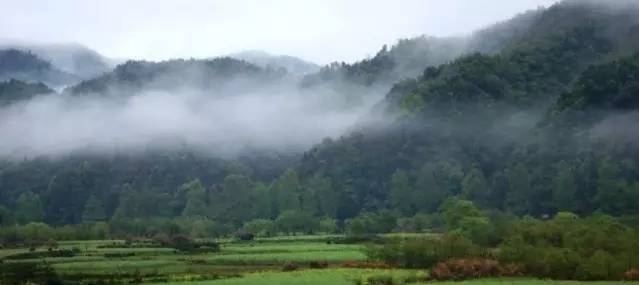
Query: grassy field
x=255 y=262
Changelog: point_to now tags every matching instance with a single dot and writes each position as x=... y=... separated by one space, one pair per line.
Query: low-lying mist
x=285 y=119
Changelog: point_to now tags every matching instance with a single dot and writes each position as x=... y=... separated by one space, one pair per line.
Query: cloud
x=285 y=119
x=318 y=30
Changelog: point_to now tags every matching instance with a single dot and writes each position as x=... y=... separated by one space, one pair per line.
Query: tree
x=519 y=190
x=6 y=218
x=127 y=207
x=292 y=222
x=29 y=208
x=564 y=188
x=235 y=200
x=401 y=194
x=328 y=225
x=610 y=188
x=260 y=227
x=286 y=190
x=429 y=194
x=455 y=210
x=262 y=201
x=475 y=187
x=195 y=199
x=93 y=210
x=327 y=196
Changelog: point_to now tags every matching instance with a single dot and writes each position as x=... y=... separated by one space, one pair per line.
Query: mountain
x=478 y=121
x=15 y=90
x=26 y=66
x=263 y=59
x=70 y=58
x=218 y=73
x=532 y=116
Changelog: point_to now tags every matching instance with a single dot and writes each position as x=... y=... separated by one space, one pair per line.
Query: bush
x=290 y=266
x=380 y=280
x=359 y=238
x=461 y=269
x=366 y=264
x=318 y=264
x=244 y=235
x=631 y=275
x=423 y=252
x=42 y=254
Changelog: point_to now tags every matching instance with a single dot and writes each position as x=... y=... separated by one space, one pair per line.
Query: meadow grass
x=338 y=276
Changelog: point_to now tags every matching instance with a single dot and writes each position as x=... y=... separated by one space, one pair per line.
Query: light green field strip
x=302 y=277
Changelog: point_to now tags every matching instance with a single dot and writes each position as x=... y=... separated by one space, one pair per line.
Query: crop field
x=253 y=262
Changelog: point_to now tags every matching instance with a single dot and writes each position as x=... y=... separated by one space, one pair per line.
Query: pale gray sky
x=318 y=30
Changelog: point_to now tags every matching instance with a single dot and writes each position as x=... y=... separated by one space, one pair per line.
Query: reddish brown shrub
x=318 y=264
x=460 y=269
x=290 y=266
x=365 y=264
x=511 y=270
x=631 y=275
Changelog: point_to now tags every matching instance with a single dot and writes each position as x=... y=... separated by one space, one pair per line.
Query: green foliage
x=401 y=194
x=29 y=208
x=93 y=210
x=383 y=221
x=292 y=222
x=195 y=199
x=286 y=190
x=260 y=227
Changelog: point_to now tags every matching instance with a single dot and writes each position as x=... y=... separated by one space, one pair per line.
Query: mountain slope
x=14 y=90
x=263 y=59
x=26 y=66
x=71 y=58
x=479 y=114
x=218 y=73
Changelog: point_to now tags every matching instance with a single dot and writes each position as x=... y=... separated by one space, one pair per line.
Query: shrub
x=365 y=264
x=631 y=275
x=380 y=280
x=460 y=269
x=423 y=252
x=318 y=264
x=359 y=238
x=244 y=235
x=290 y=266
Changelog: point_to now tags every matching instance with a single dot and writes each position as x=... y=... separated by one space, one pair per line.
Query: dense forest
x=529 y=117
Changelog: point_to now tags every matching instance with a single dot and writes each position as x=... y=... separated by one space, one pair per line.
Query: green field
x=255 y=262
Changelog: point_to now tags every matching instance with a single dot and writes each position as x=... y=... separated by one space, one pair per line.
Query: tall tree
x=195 y=199
x=262 y=201
x=327 y=196
x=401 y=194
x=287 y=191
x=236 y=201
x=475 y=187
x=93 y=210
x=519 y=190
x=29 y=208
x=564 y=188
x=429 y=193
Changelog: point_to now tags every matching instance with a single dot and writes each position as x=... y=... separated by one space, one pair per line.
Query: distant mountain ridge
x=195 y=74
x=75 y=59
x=26 y=66
x=263 y=59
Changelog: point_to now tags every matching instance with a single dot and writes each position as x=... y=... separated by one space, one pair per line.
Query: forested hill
x=26 y=66
x=218 y=74
x=475 y=127
x=75 y=59
x=263 y=59
x=531 y=116
x=14 y=90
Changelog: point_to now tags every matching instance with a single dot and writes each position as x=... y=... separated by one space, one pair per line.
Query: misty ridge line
x=228 y=114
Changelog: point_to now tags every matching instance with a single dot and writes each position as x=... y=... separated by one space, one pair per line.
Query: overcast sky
x=318 y=30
